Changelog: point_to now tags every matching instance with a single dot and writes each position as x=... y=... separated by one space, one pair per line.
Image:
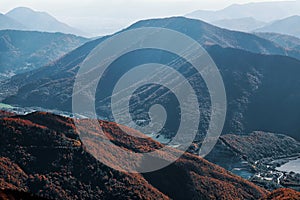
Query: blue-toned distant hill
x=23 y=18
x=262 y=83
x=288 y=26
x=262 y=11
x=246 y=24
x=9 y=23
x=22 y=51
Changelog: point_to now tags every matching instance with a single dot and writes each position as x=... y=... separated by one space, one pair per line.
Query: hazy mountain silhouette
x=29 y=19
x=246 y=24
x=22 y=51
x=262 y=11
x=9 y=23
x=288 y=26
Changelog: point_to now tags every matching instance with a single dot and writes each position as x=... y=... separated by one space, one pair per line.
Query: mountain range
x=22 y=51
x=22 y=18
x=257 y=17
x=259 y=95
x=262 y=11
x=276 y=16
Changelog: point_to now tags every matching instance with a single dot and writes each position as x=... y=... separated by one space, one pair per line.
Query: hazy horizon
x=115 y=15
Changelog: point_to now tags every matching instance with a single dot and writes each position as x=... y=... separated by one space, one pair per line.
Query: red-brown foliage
x=50 y=161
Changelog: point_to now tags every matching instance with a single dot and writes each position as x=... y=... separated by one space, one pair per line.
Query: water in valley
x=291 y=166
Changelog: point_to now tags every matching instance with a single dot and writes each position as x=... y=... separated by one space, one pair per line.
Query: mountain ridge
x=207 y=34
x=262 y=11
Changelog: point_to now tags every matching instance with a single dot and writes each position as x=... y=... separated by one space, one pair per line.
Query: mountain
x=257 y=85
x=42 y=154
x=40 y=21
x=286 y=41
x=246 y=24
x=9 y=23
x=287 y=26
x=22 y=51
x=262 y=11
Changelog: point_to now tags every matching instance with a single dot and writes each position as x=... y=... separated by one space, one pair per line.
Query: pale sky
x=107 y=16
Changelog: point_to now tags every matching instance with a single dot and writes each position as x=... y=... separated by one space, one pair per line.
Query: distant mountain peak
x=9 y=23
x=293 y=17
x=263 y=11
x=178 y=21
x=28 y=11
x=32 y=20
x=21 y=9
